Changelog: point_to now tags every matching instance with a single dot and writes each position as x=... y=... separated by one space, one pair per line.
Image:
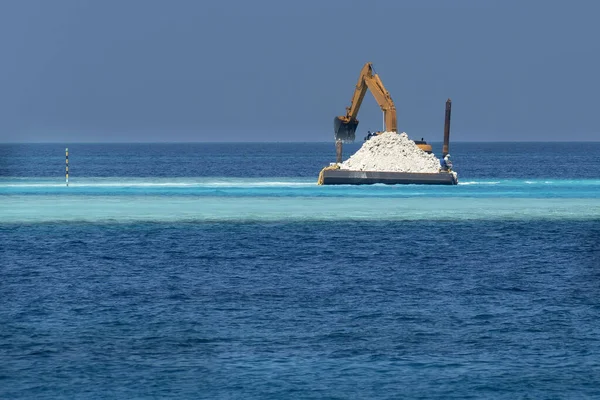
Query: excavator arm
x=345 y=125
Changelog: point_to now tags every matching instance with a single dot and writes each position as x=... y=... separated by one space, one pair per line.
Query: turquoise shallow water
x=272 y=199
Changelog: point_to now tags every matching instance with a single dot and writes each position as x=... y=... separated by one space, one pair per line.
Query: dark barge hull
x=343 y=177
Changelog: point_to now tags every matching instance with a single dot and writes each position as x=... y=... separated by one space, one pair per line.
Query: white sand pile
x=391 y=152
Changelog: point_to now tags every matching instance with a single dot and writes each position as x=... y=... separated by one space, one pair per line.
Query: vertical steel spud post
x=447 y=128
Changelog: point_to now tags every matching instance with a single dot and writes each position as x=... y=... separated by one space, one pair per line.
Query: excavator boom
x=345 y=126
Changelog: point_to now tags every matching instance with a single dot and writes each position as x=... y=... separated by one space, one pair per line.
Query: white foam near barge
x=388 y=158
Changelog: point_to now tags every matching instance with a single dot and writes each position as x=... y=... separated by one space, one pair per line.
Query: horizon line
x=288 y=142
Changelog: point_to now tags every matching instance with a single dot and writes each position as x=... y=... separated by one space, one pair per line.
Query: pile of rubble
x=391 y=152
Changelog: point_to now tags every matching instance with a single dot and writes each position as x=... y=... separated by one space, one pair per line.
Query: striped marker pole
x=67 y=165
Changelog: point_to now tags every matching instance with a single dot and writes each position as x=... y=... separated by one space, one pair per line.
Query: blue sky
x=191 y=70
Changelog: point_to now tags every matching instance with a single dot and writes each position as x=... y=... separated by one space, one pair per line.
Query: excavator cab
x=423 y=145
x=344 y=131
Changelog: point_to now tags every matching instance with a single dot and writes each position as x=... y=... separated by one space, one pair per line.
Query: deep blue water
x=256 y=160
x=220 y=271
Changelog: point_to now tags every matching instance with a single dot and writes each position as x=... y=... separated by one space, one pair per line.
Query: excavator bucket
x=344 y=131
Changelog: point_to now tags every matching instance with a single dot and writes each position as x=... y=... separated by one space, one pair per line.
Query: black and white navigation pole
x=67 y=165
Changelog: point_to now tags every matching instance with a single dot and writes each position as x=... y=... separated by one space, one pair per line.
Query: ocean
x=222 y=271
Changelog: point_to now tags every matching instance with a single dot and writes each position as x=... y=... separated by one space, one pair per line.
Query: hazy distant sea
x=222 y=271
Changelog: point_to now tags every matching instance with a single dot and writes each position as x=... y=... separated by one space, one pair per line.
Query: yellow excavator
x=345 y=126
